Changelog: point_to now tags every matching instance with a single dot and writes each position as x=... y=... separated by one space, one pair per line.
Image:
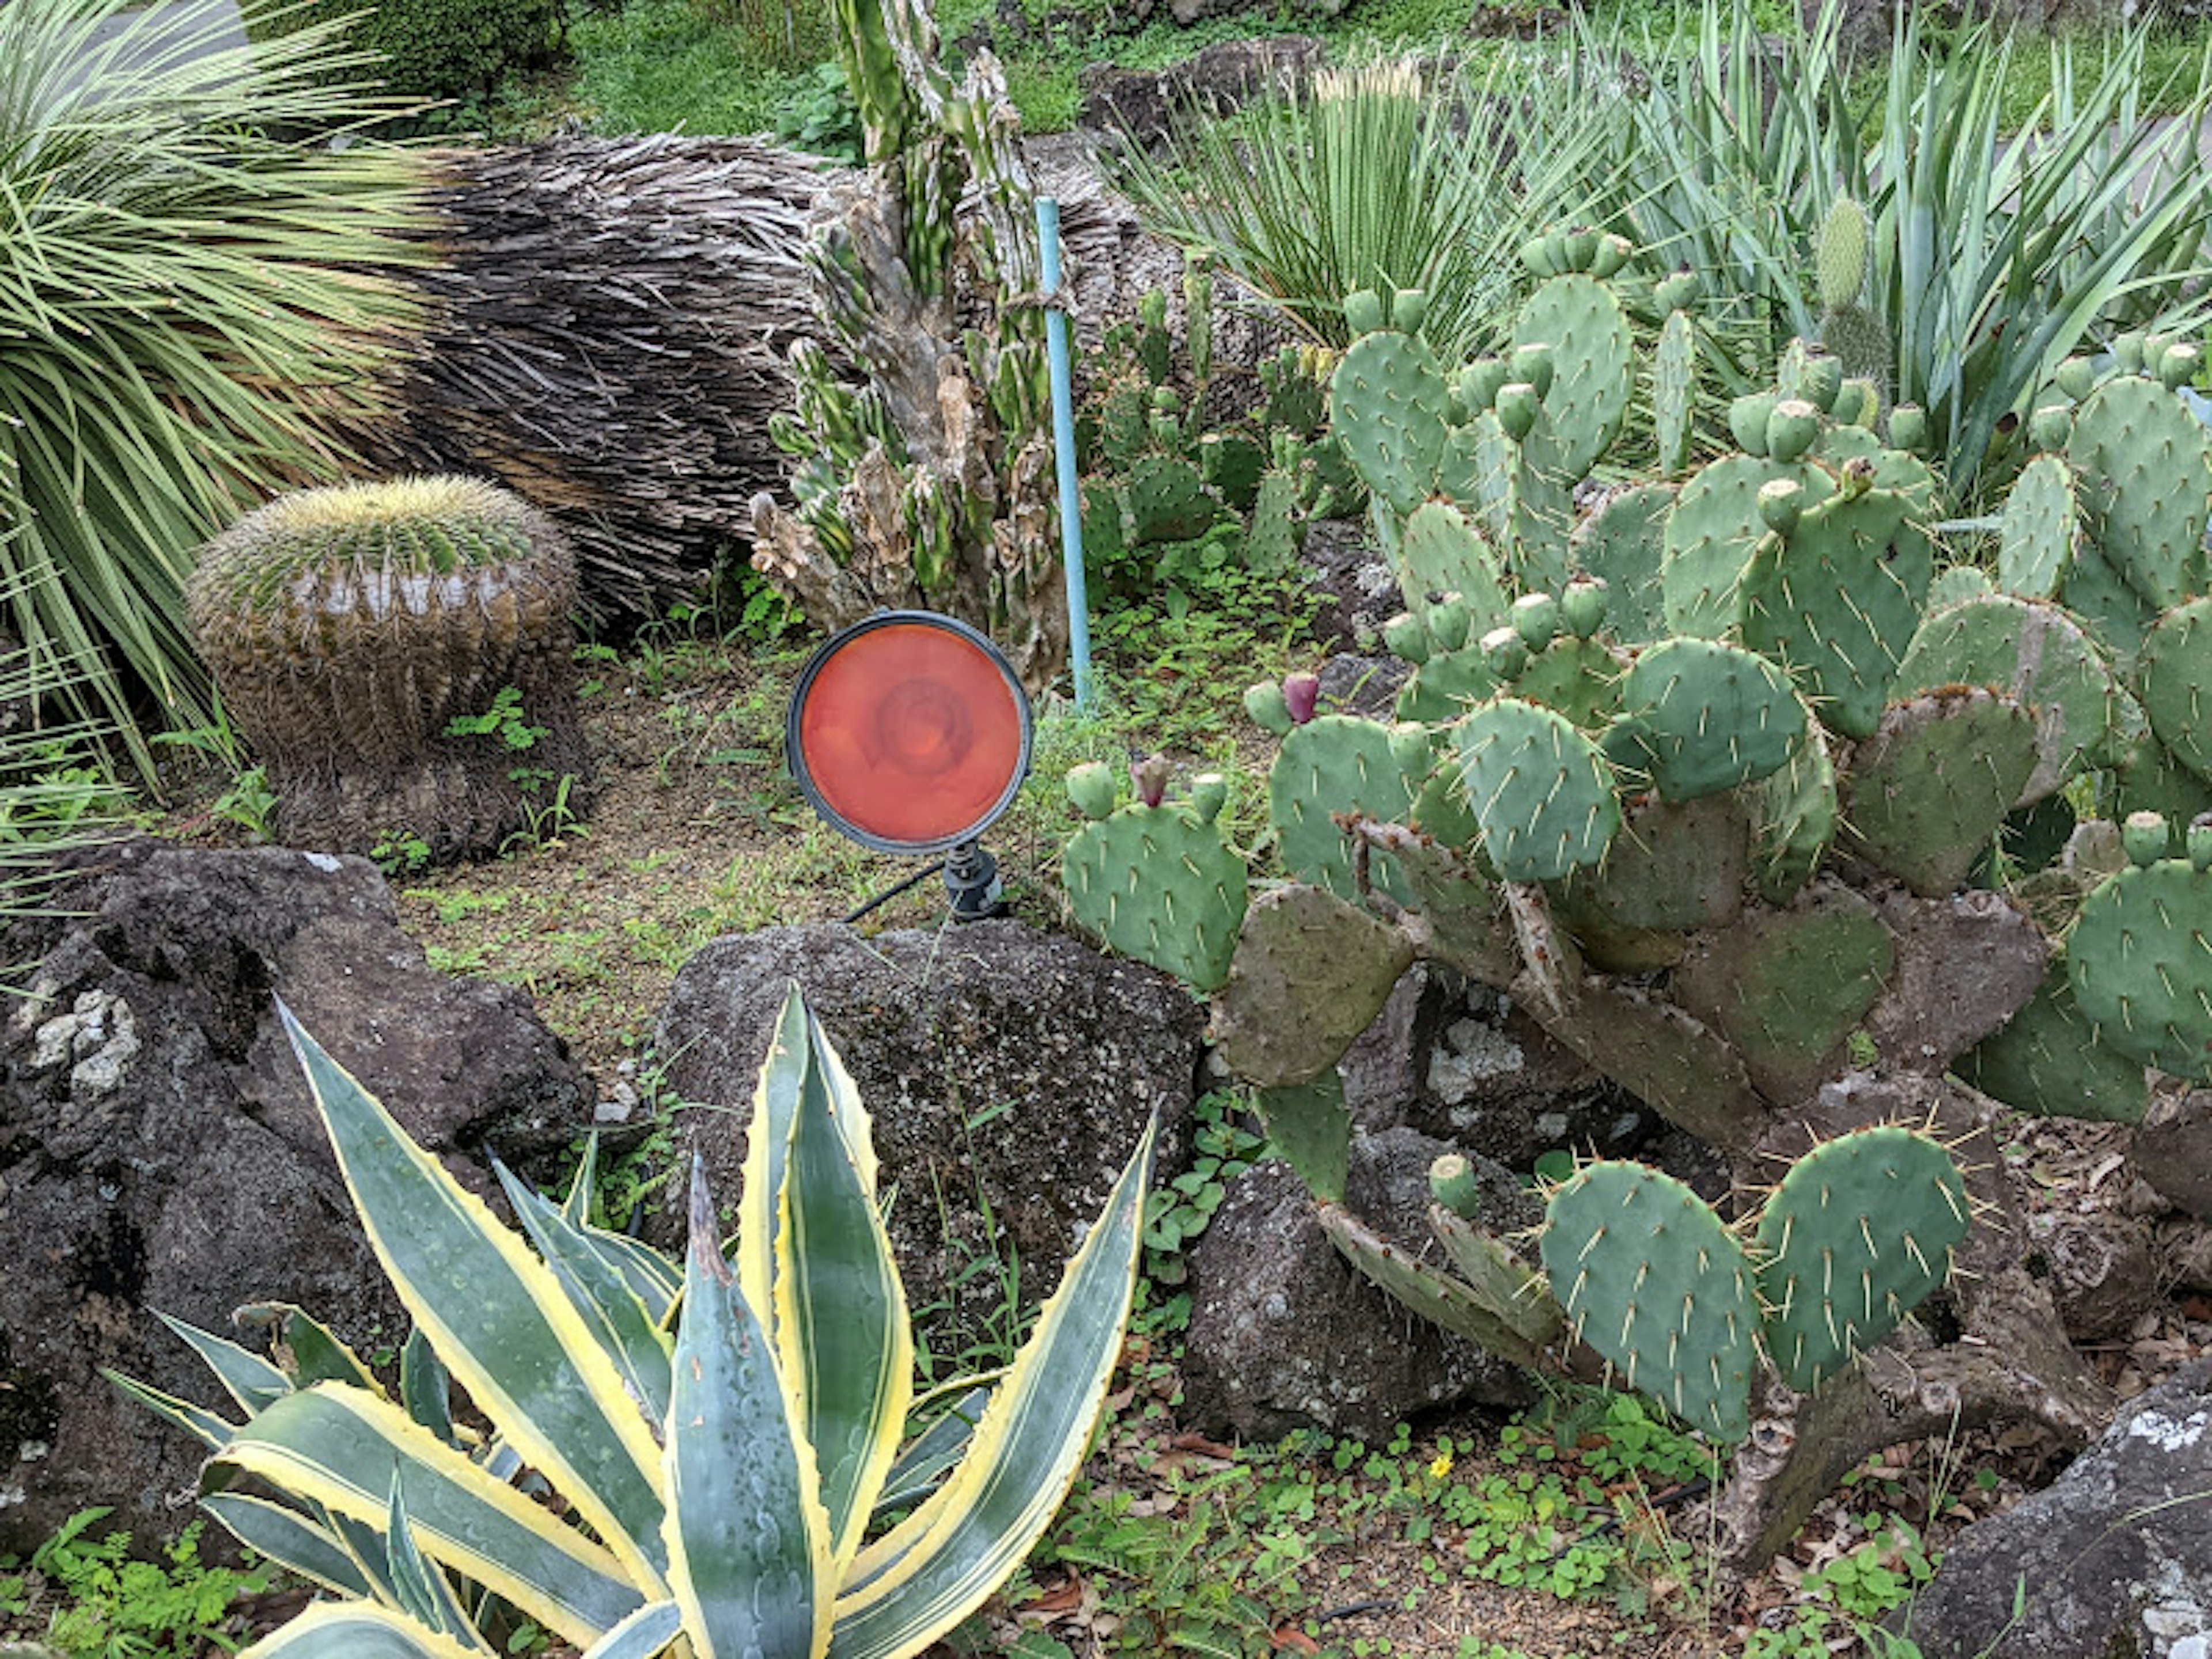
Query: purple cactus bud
x=1150 y=777
x=1301 y=692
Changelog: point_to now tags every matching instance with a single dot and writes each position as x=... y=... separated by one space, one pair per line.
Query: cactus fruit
x=2173 y=674
x=2140 y=961
x=1710 y=716
x=2035 y=530
x=1838 y=599
x=1858 y=1234
x=349 y=627
x=1157 y=883
x=2145 y=463
x=1301 y=696
x=2046 y=1060
x=1309 y=974
x=1787 y=986
x=1929 y=787
x=2037 y=655
x=1541 y=792
x=1652 y=1280
x=1452 y=1183
x=1092 y=789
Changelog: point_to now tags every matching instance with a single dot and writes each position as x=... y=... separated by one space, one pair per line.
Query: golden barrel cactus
x=350 y=628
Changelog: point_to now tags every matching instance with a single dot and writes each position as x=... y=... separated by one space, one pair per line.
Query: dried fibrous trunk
x=607 y=338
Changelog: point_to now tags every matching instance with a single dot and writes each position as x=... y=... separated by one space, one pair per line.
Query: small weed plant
x=101 y=1604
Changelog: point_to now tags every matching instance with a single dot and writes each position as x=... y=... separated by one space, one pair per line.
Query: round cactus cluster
x=349 y=627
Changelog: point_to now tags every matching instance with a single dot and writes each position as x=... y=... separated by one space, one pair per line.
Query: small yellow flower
x=1441 y=1467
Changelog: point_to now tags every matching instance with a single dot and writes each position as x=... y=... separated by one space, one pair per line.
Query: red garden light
x=910 y=733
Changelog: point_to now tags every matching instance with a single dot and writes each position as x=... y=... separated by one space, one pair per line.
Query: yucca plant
x=1393 y=173
x=722 y=1438
x=189 y=291
x=1992 y=252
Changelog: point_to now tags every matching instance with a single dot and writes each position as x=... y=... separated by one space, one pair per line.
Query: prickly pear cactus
x=1859 y=1233
x=1581 y=320
x=1929 y=787
x=1540 y=790
x=2145 y=465
x=1651 y=1278
x=2140 y=958
x=2174 y=675
x=2040 y=523
x=1158 y=882
x=1703 y=716
x=1340 y=764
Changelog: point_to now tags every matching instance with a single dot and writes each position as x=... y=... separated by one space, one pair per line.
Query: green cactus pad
x=1649 y=1277
x=1595 y=372
x=2034 y=654
x=1338 y=764
x=1787 y=988
x=1540 y=790
x=1309 y=975
x=1429 y=1292
x=1713 y=716
x=1440 y=551
x=1155 y=883
x=1673 y=868
x=1858 y=1234
x=1446 y=685
x=2140 y=959
x=2037 y=530
x=1710 y=535
x=2147 y=778
x=2046 y=1060
x=1838 y=600
x=1522 y=493
x=1386 y=403
x=2174 y=677
x=2116 y=616
x=1674 y=393
x=1622 y=544
x=1579 y=679
x=1955 y=584
x=1795 y=815
x=1931 y=786
x=2145 y=465
x=1167 y=500
x=1460 y=908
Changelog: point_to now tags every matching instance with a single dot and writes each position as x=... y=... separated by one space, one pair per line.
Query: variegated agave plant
x=722 y=1435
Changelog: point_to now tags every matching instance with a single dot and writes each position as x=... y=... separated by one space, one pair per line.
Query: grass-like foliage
x=1999 y=243
x=191 y=289
x=1393 y=173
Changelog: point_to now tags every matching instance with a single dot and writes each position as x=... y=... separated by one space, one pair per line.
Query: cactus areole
x=910 y=733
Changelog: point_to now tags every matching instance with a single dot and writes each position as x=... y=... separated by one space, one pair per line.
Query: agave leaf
x=246 y=1377
x=767 y=1142
x=925 y=1461
x=843 y=1344
x=354 y=1630
x=935 y=1568
x=626 y=1330
x=421 y=1588
x=748 y=1540
x=307 y=1351
x=203 y=1425
x=641 y=1635
x=294 y=1541
x=498 y=1319
x=425 y=1388
x=336 y=1447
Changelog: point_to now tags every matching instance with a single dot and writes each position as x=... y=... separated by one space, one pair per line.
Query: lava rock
x=2114 y=1561
x=1358 y=590
x=2102 y=1269
x=1008 y=1073
x=1284 y=1333
x=1147 y=104
x=2173 y=1149
x=1966 y=964
x=1354 y=684
x=159 y=1149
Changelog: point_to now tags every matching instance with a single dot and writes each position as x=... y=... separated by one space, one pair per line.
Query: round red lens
x=912 y=733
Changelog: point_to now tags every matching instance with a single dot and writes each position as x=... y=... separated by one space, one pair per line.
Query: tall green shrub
x=189 y=292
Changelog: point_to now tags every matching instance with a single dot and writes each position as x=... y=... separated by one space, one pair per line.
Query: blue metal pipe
x=1063 y=435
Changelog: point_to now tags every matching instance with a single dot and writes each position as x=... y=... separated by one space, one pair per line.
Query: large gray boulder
x=1009 y=1073
x=159 y=1149
x=1286 y=1334
x=2112 y=1562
